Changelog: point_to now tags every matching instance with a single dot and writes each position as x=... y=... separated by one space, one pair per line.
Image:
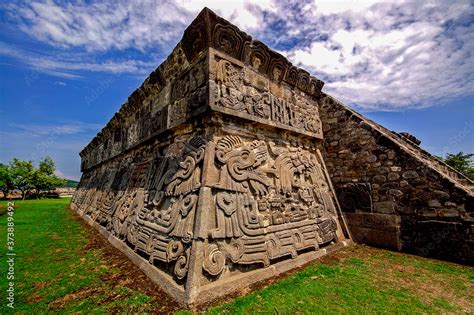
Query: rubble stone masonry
x=225 y=167
x=393 y=193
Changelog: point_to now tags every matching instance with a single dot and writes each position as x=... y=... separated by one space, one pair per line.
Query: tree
x=22 y=175
x=6 y=183
x=47 y=166
x=462 y=162
x=43 y=178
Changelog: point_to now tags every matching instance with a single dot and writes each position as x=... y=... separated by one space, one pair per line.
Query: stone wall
x=393 y=193
x=210 y=178
x=212 y=175
x=175 y=92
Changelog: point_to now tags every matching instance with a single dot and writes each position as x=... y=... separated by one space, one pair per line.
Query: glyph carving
x=233 y=91
x=271 y=200
x=152 y=204
x=355 y=197
x=210 y=170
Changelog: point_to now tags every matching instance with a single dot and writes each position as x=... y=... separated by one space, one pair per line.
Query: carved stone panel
x=355 y=197
x=149 y=205
x=210 y=172
x=241 y=91
x=271 y=200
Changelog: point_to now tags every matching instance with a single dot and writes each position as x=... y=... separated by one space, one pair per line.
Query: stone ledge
x=198 y=296
x=231 y=285
x=211 y=31
x=153 y=273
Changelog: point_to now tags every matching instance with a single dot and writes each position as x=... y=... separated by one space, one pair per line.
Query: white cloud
x=54 y=130
x=340 y=6
x=141 y=24
x=389 y=55
x=373 y=55
x=68 y=67
x=101 y=25
x=245 y=14
x=59 y=174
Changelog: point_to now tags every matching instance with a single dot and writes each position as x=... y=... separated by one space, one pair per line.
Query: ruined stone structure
x=212 y=175
x=393 y=193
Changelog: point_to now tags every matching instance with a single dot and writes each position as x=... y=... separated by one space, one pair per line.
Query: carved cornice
x=210 y=30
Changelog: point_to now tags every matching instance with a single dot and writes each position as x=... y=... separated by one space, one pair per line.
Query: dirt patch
x=40 y=285
x=426 y=285
x=126 y=274
x=54 y=236
x=78 y=295
x=34 y=298
x=343 y=254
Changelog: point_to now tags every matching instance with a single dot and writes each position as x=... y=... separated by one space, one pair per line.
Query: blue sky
x=66 y=67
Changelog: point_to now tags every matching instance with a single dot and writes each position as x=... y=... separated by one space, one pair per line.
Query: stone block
x=371 y=158
x=379 y=178
x=391 y=155
x=393 y=176
x=381 y=230
x=440 y=195
x=385 y=207
x=448 y=212
x=220 y=183
x=434 y=203
x=396 y=192
x=427 y=213
x=410 y=175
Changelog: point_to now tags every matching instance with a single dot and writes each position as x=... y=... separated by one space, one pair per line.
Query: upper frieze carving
x=210 y=30
x=237 y=90
x=150 y=100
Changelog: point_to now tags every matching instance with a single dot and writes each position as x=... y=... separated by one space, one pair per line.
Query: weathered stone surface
x=210 y=177
x=434 y=203
x=393 y=176
x=417 y=187
x=410 y=137
x=385 y=207
x=382 y=230
x=410 y=175
x=379 y=178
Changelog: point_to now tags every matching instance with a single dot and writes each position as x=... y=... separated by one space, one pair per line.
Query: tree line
x=32 y=181
x=462 y=162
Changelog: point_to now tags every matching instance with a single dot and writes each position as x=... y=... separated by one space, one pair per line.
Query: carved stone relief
x=355 y=197
x=234 y=92
x=150 y=205
x=211 y=166
x=271 y=200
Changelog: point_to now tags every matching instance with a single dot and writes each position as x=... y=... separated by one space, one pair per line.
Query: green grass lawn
x=63 y=266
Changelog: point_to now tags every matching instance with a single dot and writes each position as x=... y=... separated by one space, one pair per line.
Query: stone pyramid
x=209 y=177
x=223 y=168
